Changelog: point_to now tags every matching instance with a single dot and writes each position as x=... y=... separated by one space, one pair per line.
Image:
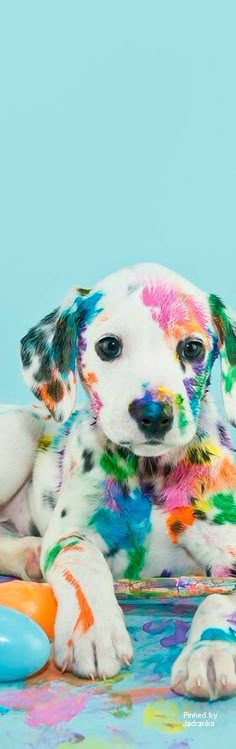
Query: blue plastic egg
x=24 y=647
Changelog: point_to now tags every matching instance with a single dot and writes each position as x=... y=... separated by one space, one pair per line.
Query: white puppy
x=139 y=483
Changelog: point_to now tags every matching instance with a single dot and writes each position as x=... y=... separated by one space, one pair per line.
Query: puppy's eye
x=108 y=348
x=193 y=350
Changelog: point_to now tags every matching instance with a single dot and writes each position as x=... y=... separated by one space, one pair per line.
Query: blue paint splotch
x=127 y=526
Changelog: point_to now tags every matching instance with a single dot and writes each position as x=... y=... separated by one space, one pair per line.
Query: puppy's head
x=143 y=341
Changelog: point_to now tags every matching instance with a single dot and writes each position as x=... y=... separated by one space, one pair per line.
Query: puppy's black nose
x=154 y=419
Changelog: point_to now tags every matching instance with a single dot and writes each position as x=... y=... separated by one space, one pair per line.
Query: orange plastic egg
x=36 y=600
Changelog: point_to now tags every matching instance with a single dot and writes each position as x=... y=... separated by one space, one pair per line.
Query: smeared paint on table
x=174 y=587
x=135 y=709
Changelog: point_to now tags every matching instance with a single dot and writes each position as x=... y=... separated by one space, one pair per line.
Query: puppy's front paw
x=32 y=560
x=23 y=557
x=101 y=651
x=206 y=672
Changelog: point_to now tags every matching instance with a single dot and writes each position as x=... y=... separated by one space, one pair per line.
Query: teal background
x=118 y=124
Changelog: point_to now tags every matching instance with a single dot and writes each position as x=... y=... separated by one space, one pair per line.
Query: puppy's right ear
x=225 y=324
x=49 y=352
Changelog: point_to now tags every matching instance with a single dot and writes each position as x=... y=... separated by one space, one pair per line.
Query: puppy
x=141 y=482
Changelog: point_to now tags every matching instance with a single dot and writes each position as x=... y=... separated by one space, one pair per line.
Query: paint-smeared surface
x=135 y=709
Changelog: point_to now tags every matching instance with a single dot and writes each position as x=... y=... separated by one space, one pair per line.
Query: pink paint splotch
x=96 y=404
x=172 y=308
x=183 y=483
x=45 y=705
x=220 y=570
x=110 y=495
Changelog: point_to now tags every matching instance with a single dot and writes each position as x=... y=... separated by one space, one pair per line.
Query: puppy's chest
x=124 y=517
x=130 y=500
x=132 y=522
x=122 y=499
x=129 y=492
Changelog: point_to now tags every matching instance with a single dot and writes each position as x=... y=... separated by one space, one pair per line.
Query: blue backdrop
x=118 y=124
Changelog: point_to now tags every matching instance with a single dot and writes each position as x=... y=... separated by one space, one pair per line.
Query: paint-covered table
x=136 y=708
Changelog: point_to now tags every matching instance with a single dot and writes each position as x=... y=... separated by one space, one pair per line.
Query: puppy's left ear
x=50 y=352
x=225 y=323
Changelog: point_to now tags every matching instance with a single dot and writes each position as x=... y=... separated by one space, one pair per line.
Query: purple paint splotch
x=179 y=635
x=225 y=440
x=155 y=628
x=232 y=619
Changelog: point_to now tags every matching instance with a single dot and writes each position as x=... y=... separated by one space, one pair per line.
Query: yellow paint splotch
x=164 y=715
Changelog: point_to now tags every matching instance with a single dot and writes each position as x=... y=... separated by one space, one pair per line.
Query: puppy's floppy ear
x=225 y=323
x=49 y=352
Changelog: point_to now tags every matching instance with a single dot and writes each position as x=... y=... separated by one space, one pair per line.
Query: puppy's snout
x=153 y=419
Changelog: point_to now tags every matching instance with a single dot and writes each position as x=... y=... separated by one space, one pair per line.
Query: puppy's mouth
x=140 y=444
x=151 y=442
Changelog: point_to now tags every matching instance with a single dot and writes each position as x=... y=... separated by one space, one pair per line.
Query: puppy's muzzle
x=153 y=419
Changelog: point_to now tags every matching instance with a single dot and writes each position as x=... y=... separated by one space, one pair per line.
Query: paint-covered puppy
x=141 y=481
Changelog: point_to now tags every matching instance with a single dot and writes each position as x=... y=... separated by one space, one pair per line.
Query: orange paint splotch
x=90 y=378
x=76 y=547
x=85 y=619
x=44 y=393
x=231 y=550
x=136 y=696
x=226 y=476
x=178 y=520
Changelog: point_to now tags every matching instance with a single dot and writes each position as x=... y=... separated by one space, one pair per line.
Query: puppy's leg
x=20 y=431
x=212 y=546
x=206 y=666
x=20 y=557
x=90 y=635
